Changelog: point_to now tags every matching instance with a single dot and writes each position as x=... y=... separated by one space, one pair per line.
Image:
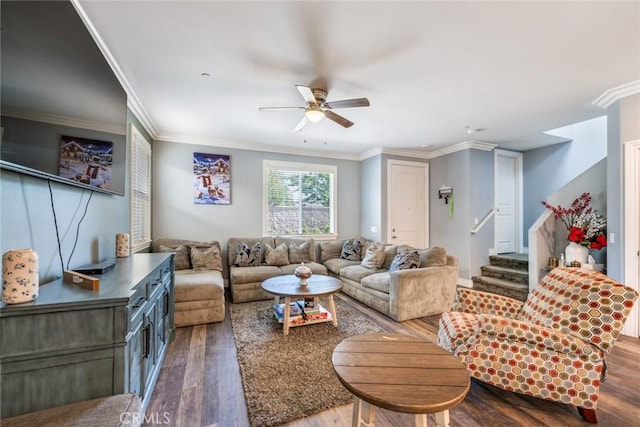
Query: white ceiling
x=429 y=69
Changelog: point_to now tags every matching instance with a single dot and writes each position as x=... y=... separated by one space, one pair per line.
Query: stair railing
x=541 y=244
x=486 y=219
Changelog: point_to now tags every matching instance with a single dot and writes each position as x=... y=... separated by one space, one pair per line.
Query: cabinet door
x=134 y=354
x=149 y=346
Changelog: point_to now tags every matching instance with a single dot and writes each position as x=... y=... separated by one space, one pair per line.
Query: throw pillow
x=351 y=250
x=299 y=253
x=248 y=257
x=433 y=257
x=405 y=260
x=206 y=258
x=276 y=256
x=182 y=256
x=374 y=256
x=242 y=255
x=255 y=255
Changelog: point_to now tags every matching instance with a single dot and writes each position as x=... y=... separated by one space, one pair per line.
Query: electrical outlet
x=374 y=229
x=612 y=237
x=475 y=221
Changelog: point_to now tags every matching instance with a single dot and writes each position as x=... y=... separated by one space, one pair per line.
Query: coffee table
x=401 y=373
x=289 y=287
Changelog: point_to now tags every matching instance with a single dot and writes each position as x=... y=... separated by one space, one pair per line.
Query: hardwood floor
x=200 y=385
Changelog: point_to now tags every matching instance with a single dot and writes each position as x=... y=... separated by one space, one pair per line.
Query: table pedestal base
x=364 y=415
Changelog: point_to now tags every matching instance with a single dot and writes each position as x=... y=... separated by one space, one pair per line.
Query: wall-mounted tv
x=56 y=87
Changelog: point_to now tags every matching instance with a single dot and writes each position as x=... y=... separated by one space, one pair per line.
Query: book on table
x=298 y=313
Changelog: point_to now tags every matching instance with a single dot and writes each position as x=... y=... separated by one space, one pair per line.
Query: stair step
x=504 y=273
x=501 y=287
x=515 y=261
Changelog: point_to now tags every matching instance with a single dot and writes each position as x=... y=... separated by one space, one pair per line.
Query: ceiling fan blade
x=301 y=124
x=279 y=108
x=307 y=94
x=338 y=119
x=348 y=103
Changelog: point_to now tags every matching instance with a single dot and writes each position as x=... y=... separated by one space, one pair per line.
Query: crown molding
x=133 y=102
x=64 y=121
x=464 y=145
x=615 y=94
x=241 y=145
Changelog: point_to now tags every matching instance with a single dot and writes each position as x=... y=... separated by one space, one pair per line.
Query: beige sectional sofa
x=199 y=285
x=279 y=255
x=402 y=294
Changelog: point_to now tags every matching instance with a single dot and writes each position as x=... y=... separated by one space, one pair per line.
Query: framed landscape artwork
x=86 y=160
x=211 y=179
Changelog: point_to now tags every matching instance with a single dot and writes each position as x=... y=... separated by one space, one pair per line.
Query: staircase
x=506 y=274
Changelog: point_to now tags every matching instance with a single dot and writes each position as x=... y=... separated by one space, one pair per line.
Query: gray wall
x=175 y=215
x=27 y=220
x=547 y=169
x=623 y=126
x=371 y=197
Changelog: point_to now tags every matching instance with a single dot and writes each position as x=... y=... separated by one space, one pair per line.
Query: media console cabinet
x=73 y=344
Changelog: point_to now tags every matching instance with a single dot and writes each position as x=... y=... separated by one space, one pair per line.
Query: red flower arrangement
x=585 y=226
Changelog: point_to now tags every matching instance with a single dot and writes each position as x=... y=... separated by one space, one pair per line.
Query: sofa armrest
x=420 y=292
x=478 y=302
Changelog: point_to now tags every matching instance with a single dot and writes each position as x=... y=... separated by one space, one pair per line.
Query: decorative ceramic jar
x=303 y=273
x=122 y=245
x=20 y=280
x=576 y=252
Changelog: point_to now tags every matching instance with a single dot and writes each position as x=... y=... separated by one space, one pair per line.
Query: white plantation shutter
x=140 y=191
x=299 y=199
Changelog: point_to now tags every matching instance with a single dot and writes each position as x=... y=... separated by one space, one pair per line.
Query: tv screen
x=57 y=87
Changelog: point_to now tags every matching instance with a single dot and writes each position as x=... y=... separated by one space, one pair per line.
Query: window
x=140 y=191
x=300 y=199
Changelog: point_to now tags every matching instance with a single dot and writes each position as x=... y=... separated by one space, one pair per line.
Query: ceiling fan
x=318 y=108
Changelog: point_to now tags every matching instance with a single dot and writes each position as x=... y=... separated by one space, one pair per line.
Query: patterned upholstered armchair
x=552 y=346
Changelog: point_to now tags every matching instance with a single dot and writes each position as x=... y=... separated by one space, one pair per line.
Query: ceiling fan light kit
x=318 y=108
x=314 y=114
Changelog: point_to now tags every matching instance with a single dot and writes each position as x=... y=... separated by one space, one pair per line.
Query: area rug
x=286 y=377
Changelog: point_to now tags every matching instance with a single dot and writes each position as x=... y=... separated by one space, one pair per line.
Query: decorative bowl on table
x=303 y=273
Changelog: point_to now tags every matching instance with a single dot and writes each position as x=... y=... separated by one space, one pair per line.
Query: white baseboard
x=465 y=283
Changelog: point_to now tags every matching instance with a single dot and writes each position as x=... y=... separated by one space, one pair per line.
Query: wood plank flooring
x=200 y=385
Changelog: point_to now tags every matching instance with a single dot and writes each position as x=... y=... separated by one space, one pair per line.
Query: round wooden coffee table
x=400 y=373
x=289 y=287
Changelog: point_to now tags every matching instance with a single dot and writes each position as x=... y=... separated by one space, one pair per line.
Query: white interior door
x=407 y=203
x=632 y=230
x=507 y=204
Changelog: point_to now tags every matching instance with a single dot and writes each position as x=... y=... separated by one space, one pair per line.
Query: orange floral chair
x=552 y=346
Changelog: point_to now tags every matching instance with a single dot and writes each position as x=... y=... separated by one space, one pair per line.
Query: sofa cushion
x=206 y=258
x=404 y=260
x=183 y=258
x=433 y=257
x=351 y=249
x=356 y=272
x=330 y=250
x=193 y=285
x=378 y=281
x=299 y=252
x=374 y=256
x=334 y=265
x=390 y=253
x=314 y=266
x=276 y=256
x=240 y=275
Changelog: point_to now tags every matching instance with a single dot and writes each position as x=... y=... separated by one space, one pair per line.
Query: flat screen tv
x=57 y=88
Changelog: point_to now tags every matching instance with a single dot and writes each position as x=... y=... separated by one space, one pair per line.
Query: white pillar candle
x=20 y=280
x=122 y=245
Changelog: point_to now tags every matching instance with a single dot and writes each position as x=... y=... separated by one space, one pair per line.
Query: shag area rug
x=286 y=377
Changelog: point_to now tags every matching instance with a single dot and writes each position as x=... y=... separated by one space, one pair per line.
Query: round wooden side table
x=400 y=373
